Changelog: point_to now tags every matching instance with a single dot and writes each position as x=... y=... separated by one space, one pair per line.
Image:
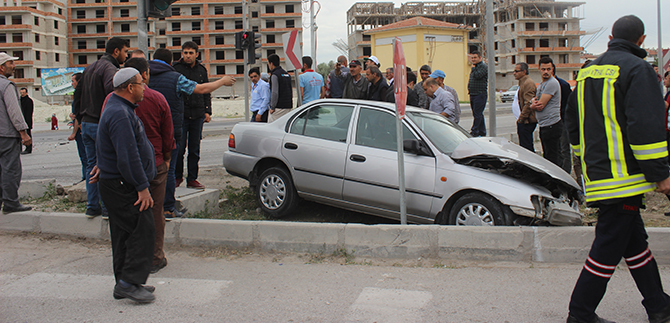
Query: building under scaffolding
x=525 y=30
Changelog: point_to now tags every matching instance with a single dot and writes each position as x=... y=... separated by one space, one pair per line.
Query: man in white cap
x=12 y=134
x=371 y=61
x=125 y=167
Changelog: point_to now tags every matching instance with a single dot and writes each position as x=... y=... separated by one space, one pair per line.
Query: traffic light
x=158 y=8
x=254 y=43
x=242 y=40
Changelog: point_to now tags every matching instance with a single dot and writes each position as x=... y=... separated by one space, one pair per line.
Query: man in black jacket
x=96 y=83
x=377 y=86
x=281 y=93
x=616 y=123
x=27 y=107
x=197 y=110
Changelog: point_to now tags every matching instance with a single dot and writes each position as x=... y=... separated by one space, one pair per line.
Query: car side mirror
x=414 y=146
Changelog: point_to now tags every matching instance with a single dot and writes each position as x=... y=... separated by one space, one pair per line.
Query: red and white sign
x=399 y=77
x=292 y=49
x=666 y=60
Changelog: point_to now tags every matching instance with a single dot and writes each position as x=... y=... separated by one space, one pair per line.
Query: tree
x=324 y=69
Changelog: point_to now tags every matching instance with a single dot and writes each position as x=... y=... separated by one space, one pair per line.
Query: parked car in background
x=342 y=153
x=508 y=96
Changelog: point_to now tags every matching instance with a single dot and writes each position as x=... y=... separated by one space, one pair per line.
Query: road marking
x=69 y=286
x=388 y=305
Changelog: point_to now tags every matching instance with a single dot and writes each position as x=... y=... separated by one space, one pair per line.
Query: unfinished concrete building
x=525 y=30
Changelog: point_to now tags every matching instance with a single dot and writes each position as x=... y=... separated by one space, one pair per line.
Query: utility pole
x=142 y=32
x=661 y=64
x=491 y=54
x=245 y=26
x=312 y=31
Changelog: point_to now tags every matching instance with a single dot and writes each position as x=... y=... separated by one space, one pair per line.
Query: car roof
x=385 y=105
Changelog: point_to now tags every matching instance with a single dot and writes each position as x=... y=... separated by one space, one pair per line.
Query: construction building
x=525 y=30
x=73 y=33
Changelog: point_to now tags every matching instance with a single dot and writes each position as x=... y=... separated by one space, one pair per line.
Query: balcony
x=538 y=33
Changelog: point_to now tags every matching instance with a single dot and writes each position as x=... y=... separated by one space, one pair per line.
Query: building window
x=100 y=43
x=218 y=25
x=18 y=73
x=269 y=24
x=195 y=25
x=81 y=29
x=125 y=28
x=562 y=42
x=562 y=26
x=38 y=72
x=17 y=38
x=511 y=27
x=238 y=24
x=290 y=23
x=218 y=40
x=270 y=39
x=60 y=11
x=513 y=43
x=254 y=14
x=544 y=26
x=81 y=44
x=240 y=69
x=176 y=56
x=3 y=22
x=176 y=41
x=367 y=51
x=55 y=24
x=195 y=11
x=218 y=10
x=495 y=45
x=290 y=8
x=238 y=10
x=544 y=43
x=100 y=28
x=254 y=29
x=197 y=40
x=38 y=55
x=530 y=43
x=80 y=1
x=239 y=54
x=16 y=20
x=82 y=60
x=530 y=26
x=271 y=51
x=100 y=1
x=563 y=59
x=161 y=31
x=81 y=14
x=367 y=37
x=162 y=45
x=176 y=11
x=18 y=54
x=220 y=70
x=37 y=38
x=176 y=26
x=57 y=57
x=37 y=21
x=56 y=41
x=220 y=55
x=100 y=13
x=530 y=59
x=125 y=13
x=3 y=38
x=269 y=9
x=514 y=60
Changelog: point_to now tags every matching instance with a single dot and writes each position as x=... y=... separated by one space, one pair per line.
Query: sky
x=596 y=14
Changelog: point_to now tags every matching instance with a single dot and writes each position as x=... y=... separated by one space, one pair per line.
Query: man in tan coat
x=527 y=122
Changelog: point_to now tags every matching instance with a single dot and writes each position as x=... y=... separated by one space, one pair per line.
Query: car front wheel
x=477 y=209
x=275 y=192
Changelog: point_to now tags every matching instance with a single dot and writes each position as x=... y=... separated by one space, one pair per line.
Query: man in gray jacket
x=12 y=134
x=355 y=85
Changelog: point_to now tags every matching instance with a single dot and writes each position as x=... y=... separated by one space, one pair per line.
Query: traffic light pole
x=142 y=32
x=245 y=25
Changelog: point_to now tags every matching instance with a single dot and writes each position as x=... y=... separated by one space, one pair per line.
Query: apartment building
x=525 y=30
x=35 y=32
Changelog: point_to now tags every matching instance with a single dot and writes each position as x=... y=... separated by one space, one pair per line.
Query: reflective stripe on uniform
x=650 y=151
x=580 y=110
x=614 y=182
x=599 y=72
x=577 y=150
x=619 y=192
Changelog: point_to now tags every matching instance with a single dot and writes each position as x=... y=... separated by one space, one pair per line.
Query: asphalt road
x=47 y=279
x=54 y=157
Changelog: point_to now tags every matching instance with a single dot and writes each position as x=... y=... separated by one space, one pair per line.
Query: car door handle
x=290 y=145
x=357 y=158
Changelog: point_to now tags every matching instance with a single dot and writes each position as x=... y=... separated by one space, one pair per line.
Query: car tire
x=478 y=209
x=275 y=192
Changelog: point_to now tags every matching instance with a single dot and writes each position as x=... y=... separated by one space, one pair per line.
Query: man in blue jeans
x=96 y=83
x=477 y=87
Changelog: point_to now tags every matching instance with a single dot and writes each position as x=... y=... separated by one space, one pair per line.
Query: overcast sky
x=596 y=14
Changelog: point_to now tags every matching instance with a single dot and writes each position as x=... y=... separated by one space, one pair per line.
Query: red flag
x=399 y=77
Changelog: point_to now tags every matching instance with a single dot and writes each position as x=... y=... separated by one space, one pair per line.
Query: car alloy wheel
x=276 y=193
x=474 y=214
x=477 y=208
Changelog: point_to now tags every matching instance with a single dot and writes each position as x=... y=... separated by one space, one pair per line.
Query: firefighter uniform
x=616 y=124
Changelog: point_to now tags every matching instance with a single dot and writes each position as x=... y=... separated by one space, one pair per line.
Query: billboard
x=58 y=81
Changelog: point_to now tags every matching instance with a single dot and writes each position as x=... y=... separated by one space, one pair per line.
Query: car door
x=371 y=176
x=316 y=148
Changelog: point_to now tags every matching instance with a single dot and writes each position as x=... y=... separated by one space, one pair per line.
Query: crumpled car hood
x=506 y=150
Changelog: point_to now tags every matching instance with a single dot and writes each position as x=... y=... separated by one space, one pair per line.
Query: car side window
x=330 y=122
x=377 y=129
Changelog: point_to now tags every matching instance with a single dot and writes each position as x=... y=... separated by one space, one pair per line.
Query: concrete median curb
x=533 y=244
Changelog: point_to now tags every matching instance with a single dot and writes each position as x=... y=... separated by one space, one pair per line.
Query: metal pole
x=401 y=165
x=245 y=26
x=491 y=55
x=142 y=38
x=312 y=32
x=660 y=44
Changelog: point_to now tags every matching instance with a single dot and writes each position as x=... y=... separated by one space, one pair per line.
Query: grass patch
x=50 y=201
x=239 y=204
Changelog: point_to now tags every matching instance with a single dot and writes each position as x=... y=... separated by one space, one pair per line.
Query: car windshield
x=513 y=88
x=444 y=134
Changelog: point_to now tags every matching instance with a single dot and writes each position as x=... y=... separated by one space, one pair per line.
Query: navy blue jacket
x=122 y=147
x=163 y=78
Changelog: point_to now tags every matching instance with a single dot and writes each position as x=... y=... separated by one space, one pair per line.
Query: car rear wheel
x=275 y=192
x=478 y=209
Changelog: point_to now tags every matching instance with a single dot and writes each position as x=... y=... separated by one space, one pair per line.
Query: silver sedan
x=343 y=153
